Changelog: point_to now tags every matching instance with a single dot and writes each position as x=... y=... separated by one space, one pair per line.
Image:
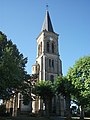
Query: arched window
x=52 y=78
x=49 y=62
x=53 y=63
x=41 y=48
x=52 y=47
x=38 y=50
x=47 y=46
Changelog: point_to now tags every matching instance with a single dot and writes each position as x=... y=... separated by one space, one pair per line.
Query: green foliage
x=26 y=91
x=80 y=75
x=64 y=86
x=12 y=68
x=26 y=99
x=2 y=110
x=27 y=88
x=44 y=89
x=87 y=110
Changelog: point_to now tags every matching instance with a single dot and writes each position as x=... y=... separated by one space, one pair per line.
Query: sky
x=21 y=21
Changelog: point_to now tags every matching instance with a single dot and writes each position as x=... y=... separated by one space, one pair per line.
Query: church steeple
x=48 y=64
x=47 y=24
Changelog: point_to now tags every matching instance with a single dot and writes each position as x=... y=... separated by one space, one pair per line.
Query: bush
x=87 y=114
x=2 y=110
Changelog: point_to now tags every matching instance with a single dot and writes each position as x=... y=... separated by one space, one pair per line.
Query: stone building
x=48 y=66
x=48 y=63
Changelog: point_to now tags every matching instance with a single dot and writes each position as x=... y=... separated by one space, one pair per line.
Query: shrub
x=2 y=110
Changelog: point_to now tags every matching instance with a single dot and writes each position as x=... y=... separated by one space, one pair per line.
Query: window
x=41 y=48
x=49 y=62
x=52 y=47
x=38 y=50
x=33 y=68
x=52 y=78
x=53 y=63
x=36 y=69
x=47 y=46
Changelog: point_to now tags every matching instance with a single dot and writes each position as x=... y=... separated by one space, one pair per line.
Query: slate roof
x=47 y=25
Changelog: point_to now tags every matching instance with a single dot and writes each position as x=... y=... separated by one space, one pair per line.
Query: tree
x=27 y=87
x=12 y=68
x=80 y=75
x=65 y=88
x=45 y=90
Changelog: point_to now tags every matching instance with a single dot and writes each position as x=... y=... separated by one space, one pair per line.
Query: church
x=48 y=64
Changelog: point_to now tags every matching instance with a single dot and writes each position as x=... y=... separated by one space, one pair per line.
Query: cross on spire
x=47 y=24
x=47 y=6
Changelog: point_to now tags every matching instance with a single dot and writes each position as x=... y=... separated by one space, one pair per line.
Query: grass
x=25 y=118
x=36 y=118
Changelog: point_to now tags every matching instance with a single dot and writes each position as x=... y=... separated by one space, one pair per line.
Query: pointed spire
x=47 y=25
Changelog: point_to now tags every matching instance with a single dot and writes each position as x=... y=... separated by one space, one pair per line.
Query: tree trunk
x=81 y=112
x=68 y=113
x=48 y=107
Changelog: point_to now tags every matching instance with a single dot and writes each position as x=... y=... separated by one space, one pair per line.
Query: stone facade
x=48 y=66
x=48 y=63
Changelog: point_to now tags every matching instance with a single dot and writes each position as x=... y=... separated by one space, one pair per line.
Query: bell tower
x=48 y=63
